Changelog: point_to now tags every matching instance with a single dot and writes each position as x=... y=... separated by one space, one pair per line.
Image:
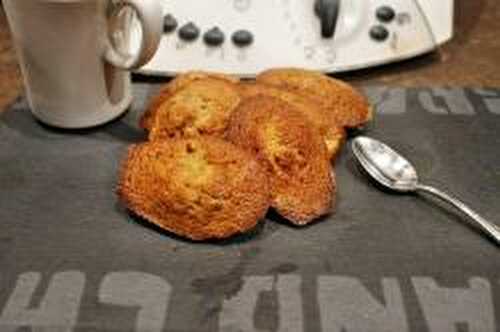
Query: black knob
x=169 y=23
x=214 y=37
x=189 y=32
x=379 y=33
x=242 y=38
x=385 y=14
x=328 y=13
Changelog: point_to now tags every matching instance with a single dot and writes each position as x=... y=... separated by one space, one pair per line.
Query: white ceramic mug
x=74 y=55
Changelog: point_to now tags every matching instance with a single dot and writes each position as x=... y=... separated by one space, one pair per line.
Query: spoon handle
x=487 y=227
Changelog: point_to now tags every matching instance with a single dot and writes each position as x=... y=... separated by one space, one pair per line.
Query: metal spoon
x=393 y=171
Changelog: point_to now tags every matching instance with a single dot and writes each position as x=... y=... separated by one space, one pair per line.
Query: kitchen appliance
x=244 y=37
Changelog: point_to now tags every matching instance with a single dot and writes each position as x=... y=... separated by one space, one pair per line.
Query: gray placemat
x=71 y=258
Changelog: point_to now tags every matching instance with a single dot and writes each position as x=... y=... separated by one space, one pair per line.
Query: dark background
x=58 y=212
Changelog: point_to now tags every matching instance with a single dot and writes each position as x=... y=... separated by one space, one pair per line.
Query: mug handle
x=149 y=13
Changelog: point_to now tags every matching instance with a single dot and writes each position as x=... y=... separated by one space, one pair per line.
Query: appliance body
x=244 y=37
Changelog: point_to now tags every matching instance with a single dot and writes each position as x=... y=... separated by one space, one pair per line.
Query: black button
x=379 y=33
x=214 y=37
x=242 y=38
x=385 y=14
x=169 y=23
x=189 y=32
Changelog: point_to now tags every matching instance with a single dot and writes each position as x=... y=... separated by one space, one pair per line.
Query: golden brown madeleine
x=203 y=107
x=333 y=134
x=178 y=83
x=199 y=189
x=346 y=106
x=293 y=152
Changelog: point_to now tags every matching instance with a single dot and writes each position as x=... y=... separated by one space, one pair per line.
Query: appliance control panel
x=244 y=37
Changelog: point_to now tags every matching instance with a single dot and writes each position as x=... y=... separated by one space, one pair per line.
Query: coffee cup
x=75 y=56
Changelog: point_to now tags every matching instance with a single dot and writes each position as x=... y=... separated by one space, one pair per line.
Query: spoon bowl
x=385 y=165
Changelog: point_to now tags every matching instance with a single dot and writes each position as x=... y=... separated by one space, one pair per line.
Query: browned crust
x=177 y=84
x=333 y=134
x=197 y=189
x=346 y=106
x=292 y=151
x=203 y=107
